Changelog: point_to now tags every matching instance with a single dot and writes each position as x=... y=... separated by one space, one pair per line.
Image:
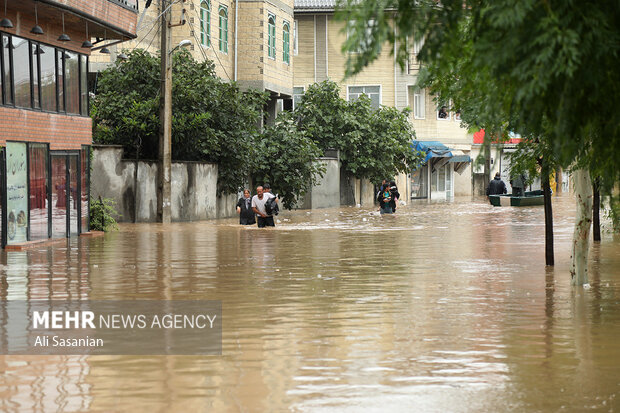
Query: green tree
x=288 y=160
x=373 y=143
x=548 y=63
x=212 y=120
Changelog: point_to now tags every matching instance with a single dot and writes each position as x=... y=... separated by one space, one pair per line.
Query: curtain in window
x=21 y=72
x=48 y=78
x=72 y=82
x=37 y=153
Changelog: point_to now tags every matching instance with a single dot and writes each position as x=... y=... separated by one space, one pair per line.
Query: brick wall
x=61 y=131
x=109 y=12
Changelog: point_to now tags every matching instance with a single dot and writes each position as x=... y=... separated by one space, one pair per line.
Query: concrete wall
x=326 y=193
x=194 y=187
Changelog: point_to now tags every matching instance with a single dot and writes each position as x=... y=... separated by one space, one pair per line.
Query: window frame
x=205 y=23
x=380 y=93
x=370 y=24
x=419 y=95
x=303 y=88
x=295 y=37
x=223 y=42
x=286 y=42
x=271 y=36
x=36 y=91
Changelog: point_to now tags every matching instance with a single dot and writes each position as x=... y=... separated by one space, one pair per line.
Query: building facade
x=318 y=56
x=46 y=129
x=248 y=41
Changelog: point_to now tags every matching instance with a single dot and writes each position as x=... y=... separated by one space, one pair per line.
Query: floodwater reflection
x=443 y=307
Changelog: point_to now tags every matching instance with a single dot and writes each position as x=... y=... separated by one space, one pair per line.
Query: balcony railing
x=413 y=65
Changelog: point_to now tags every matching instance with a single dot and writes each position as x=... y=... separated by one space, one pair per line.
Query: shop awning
x=439 y=154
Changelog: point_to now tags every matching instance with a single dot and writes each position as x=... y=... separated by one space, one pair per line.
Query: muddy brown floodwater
x=444 y=307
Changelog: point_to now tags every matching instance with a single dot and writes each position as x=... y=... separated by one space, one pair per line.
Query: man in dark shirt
x=496 y=186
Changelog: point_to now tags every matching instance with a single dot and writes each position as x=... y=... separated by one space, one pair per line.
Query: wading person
x=244 y=209
x=258 y=206
x=395 y=195
x=496 y=186
x=384 y=198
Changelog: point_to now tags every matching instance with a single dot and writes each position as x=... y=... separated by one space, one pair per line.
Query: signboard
x=16 y=192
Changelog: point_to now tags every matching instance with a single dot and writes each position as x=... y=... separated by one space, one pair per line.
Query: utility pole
x=164 y=192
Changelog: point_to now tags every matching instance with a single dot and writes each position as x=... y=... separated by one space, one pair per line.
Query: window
x=205 y=23
x=295 y=37
x=223 y=13
x=298 y=93
x=48 y=78
x=7 y=91
x=41 y=77
x=72 y=82
x=286 y=43
x=271 y=36
x=443 y=111
x=21 y=78
x=373 y=92
x=419 y=107
x=362 y=44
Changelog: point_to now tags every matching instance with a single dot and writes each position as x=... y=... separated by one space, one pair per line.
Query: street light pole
x=164 y=193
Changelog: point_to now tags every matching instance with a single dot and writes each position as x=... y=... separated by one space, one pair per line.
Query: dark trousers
x=265 y=222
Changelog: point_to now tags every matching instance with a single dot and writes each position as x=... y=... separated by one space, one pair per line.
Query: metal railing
x=128 y=4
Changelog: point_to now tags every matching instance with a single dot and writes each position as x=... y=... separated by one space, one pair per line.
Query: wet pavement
x=443 y=307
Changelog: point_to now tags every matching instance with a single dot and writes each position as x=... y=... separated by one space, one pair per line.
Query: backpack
x=271 y=206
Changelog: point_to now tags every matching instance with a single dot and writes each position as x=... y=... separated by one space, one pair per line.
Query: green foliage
x=287 y=160
x=373 y=143
x=102 y=212
x=538 y=68
x=212 y=120
x=613 y=213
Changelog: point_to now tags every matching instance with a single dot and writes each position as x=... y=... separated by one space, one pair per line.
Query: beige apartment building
x=318 y=56
x=249 y=41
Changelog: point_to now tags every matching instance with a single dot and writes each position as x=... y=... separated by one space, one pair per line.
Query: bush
x=102 y=212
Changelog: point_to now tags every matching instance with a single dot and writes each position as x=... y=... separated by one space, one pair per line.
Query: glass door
x=59 y=196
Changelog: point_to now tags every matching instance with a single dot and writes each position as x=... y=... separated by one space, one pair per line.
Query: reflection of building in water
x=47 y=131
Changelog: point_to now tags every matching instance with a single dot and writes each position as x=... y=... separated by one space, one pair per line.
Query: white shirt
x=260 y=203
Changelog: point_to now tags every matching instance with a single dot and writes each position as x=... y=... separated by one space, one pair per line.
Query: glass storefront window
x=21 y=78
x=59 y=196
x=34 y=72
x=60 y=84
x=74 y=198
x=84 y=85
x=84 y=164
x=72 y=82
x=6 y=70
x=48 y=78
x=38 y=190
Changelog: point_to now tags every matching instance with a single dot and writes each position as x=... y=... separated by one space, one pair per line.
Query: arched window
x=223 y=13
x=286 y=43
x=205 y=22
x=271 y=36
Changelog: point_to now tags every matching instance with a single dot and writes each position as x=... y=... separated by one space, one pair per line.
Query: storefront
x=434 y=178
x=45 y=194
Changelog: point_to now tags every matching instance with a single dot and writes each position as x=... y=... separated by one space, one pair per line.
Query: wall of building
x=61 y=131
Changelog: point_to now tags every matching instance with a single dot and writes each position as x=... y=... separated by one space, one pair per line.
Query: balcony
x=128 y=4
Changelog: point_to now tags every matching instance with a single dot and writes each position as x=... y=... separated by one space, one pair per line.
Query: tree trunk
x=548 y=214
x=596 y=207
x=583 y=221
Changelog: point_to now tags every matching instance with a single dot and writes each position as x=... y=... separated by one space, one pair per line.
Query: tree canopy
x=373 y=143
x=212 y=120
x=536 y=68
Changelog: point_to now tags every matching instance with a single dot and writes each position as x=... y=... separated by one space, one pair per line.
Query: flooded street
x=444 y=307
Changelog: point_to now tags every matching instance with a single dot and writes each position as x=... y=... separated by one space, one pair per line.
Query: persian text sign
x=111 y=327
x=16 y=192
